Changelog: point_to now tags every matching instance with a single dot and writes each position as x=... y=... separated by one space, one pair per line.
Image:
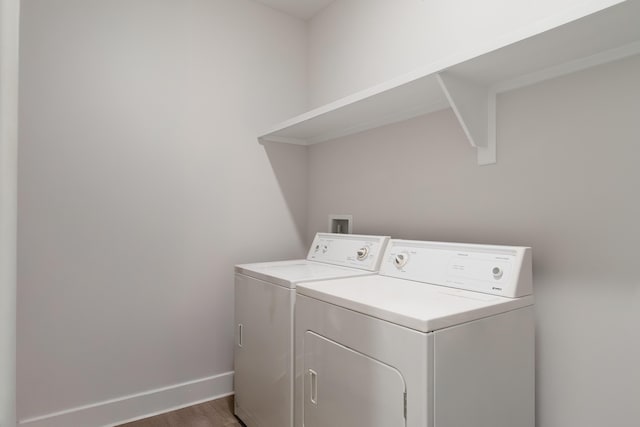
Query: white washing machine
x=264 y=309
x=442 y=337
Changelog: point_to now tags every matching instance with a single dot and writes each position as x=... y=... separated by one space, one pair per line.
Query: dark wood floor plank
x=215 y=413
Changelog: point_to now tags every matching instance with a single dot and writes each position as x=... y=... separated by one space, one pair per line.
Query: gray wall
x=141 y=184
x=566 y=183
x=8 y=196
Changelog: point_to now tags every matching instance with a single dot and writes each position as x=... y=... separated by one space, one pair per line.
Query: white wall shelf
x=469 y=82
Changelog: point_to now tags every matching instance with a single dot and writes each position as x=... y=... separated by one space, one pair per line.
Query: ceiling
x=303 y=9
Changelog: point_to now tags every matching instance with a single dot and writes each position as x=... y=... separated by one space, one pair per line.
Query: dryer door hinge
x=405 y=405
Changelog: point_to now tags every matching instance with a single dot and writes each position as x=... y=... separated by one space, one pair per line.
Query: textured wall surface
x=141 y=184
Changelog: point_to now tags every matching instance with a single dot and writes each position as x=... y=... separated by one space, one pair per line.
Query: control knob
x=401 y=259
x=497 y=273
x=362 y=253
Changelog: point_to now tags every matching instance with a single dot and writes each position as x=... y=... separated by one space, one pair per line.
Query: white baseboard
x=136 y=406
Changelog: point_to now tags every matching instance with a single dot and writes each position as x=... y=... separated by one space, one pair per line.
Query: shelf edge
x=576 y=65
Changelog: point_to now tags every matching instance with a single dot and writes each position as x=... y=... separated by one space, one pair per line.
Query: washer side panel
x=263 y=353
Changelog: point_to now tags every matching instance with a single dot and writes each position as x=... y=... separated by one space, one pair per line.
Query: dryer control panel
x=496 y=270
x=348 y=250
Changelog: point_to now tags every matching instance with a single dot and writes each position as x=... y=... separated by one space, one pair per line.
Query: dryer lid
x=411 y=304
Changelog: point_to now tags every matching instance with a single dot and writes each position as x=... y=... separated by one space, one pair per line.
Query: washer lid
x=289 y=273
x=414 y=305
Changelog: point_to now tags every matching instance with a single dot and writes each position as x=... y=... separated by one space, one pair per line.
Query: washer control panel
x=496 y=270
x=348 y=250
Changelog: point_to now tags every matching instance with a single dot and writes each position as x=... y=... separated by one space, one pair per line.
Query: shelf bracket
x=475 y=107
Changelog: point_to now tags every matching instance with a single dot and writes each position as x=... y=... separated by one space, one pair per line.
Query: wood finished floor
x=215 y=413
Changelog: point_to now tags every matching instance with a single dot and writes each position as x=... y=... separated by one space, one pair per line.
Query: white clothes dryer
x=264 y=308
x=442 y=337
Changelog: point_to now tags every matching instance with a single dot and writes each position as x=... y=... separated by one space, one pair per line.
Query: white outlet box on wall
x=342 y=224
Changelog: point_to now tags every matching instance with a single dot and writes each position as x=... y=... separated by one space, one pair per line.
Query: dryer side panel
x=484 y=374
